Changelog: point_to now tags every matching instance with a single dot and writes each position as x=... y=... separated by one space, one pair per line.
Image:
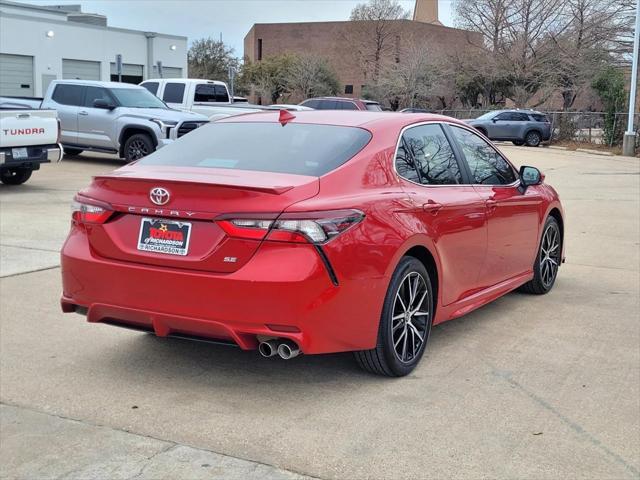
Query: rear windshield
x=301 y=149
x=373 y=107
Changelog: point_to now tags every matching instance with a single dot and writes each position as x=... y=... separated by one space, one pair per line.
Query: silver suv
x=115 y=118
x=519 y=126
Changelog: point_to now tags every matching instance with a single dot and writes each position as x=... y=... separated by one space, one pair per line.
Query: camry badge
x=159 y=195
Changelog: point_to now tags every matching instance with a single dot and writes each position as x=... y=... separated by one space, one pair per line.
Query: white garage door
x=16 y=75
x=168 y=72
x=80 y=69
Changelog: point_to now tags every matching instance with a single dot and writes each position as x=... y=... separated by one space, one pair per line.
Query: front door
x=513 y=217
x=96 y=125
x=453 y=214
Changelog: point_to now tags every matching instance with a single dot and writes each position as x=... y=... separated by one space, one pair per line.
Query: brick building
x=333 y=41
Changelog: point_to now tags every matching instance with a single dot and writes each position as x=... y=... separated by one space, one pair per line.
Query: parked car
x=287 y=106
x=296 y=232
x=206 y=97
x=519 y=126
x=28 y=138
x=112 y=117
x=341 y=103
x=415 y=110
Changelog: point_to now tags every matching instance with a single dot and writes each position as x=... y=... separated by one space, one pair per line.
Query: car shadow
x=157 y=357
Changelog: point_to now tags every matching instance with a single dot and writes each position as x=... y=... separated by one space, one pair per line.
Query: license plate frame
x=167 y=237
x=20 y=153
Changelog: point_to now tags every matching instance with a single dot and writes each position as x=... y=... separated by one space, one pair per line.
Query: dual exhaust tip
x=287 y=349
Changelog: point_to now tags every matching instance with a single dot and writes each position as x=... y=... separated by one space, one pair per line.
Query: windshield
x=487 y=116
x=303 y=149
x=137 y=98
x=373 y=107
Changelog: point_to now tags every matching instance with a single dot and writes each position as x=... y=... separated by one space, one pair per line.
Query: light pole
x=629 y=142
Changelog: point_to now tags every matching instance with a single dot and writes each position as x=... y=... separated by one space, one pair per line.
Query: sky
x=231 y=18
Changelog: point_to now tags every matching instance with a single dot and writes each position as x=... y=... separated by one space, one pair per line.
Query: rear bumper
x=35 y=156
x=283 y=291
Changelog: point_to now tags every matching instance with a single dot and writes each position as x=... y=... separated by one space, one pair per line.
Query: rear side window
x=173 y=92
x=425 y=156
x=348 y=106
x=310 y=103
x=486 y=164
x=211 y=93
x=69 y=95
x=303 y=149
x=327 y=105
x=151 y=86
x=538 y=117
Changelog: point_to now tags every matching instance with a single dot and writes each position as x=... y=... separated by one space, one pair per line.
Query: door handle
x=432 y=207
x=82 y=112
x=491 y=204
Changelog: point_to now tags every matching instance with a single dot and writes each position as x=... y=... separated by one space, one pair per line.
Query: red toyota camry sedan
x=312 y=232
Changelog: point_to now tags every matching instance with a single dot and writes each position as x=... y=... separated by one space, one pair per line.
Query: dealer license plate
x=164 y=236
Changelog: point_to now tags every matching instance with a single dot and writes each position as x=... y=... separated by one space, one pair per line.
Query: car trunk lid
x=196 y=197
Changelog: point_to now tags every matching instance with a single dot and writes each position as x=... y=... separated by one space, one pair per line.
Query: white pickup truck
x=207 y=97
x=28 y=138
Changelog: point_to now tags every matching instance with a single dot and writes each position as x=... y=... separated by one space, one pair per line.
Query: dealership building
x=40 y=44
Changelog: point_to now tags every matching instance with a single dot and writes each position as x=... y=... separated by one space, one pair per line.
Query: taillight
x=312 y=227
x=87 y=213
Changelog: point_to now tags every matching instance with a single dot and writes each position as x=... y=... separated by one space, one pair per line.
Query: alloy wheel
x=410 y=317
x=550 y=255
x=137 y=150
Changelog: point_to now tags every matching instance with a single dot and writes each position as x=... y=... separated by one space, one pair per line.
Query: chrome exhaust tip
x=288 y=350
x=268 y=349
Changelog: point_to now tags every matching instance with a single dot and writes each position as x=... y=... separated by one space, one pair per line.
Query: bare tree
x=311 y=76
x=209 y=58
x=374 y=35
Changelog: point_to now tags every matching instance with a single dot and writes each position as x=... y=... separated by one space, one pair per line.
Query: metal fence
x=584 y=127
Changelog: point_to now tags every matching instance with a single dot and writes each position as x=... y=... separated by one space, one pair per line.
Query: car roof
x=97 y=83
x=347 y=99
x=185 y=80
x=344 y=118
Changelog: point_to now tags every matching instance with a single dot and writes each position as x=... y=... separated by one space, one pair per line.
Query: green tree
x=211 y=59
x=269 y=78
x=609 y=85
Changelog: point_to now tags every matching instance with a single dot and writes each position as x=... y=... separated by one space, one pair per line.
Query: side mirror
x=101 y=103
x=529 y=176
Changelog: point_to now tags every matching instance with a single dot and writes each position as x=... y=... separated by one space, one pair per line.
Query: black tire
x=393 y=333
x=543 y=278
x=15 y=176
x=72 y=151
x=518 y=143
x=533 y=138
x=138 y=146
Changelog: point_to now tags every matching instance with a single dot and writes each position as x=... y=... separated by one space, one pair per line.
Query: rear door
x=68 y=99
x=96 y=125
x=513 y=217
x=451 y=211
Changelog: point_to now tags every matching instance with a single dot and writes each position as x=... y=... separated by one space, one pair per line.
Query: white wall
x=27 y=36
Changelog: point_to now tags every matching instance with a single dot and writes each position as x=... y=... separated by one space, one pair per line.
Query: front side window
x=69 y=95
x=425 y=156
x=486 y=165
x=173 y=92
x=96 y=93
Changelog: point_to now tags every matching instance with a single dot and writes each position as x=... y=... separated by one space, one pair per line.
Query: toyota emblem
x=159 y=195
